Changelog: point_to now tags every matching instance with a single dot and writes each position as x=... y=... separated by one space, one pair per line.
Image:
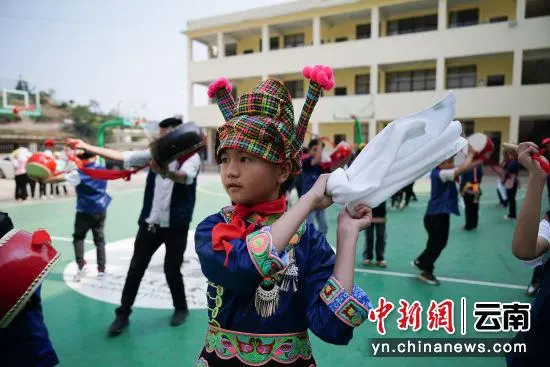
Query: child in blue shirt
x=443 y=202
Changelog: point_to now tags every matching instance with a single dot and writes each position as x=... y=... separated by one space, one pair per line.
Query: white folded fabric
x=404 y=151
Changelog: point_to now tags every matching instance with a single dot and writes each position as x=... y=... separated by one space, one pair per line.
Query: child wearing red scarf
x=271 y=275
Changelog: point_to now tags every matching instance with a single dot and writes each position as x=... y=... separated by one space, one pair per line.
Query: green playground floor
x=476 y=265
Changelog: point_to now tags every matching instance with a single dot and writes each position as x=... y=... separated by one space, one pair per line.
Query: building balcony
x=491 y=38
x=529 y=100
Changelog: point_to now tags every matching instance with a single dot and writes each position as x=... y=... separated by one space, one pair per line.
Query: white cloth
x=162 y=196
x=544 y=232
x=447 y=175
x=502 y=190
x=404 y=151
x=73 y=177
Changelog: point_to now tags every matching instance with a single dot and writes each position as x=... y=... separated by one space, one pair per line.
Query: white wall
x=471 y=102
x=455 y=42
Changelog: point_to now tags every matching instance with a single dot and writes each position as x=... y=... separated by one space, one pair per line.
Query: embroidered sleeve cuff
x=263 y=254
x=351 y=309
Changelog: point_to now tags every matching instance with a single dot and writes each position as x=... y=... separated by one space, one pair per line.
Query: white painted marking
x=153 y=290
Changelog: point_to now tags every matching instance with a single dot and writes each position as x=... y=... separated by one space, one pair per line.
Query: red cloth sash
x=223 y=233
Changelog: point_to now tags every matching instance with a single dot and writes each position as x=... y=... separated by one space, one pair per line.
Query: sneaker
x=428 y=278
x=416 y=264
x=367 y=262
x=382 y=264
x=506 y=217
x=120 y=323
x=179 y=317
x=101 y=275
x=80 y=275
x=532 y=290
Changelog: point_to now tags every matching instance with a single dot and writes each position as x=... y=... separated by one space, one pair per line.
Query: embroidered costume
x=261 y=303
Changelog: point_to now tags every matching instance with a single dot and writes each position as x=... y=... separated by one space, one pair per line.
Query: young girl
x=532 y=243
x=272 y=275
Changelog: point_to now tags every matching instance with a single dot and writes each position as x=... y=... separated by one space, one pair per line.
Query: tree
x=22 y=85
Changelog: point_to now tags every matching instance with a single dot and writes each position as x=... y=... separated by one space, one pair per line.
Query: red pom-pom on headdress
x=321 y=75
x=217 y=85
x=49 y=143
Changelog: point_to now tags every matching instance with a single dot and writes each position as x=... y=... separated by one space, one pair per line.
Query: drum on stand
x=25 y=260
x=41 y=166
x=482 y=145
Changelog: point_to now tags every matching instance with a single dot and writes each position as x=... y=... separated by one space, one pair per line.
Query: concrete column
x=440 y=74
x=210 y=147
x=372 y=129
x=373 y=79
x=520 y=10
x=189 y=97
x=442 y=15
x=189 y=50
x=316 y=31
x=265 y=38
x=221 y=46
x=514 y=129
x=315 y=128
x=374 y=22
x=517 y=68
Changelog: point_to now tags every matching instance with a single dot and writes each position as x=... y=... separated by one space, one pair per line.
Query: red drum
x=341 y=152
x=40 y=166
x=25 y=260
x=482 y=145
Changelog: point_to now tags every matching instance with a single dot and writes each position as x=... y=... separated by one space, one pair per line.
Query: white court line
x=391 y=273
x=451 y=280
x=67 y=239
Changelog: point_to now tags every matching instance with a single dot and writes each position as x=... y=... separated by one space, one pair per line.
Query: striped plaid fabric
x=263 y=125
x=225 y=102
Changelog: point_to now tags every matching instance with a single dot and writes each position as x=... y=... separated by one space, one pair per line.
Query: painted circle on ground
x=153 y=290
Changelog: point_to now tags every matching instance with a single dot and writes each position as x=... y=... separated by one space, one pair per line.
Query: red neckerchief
x=223 y=233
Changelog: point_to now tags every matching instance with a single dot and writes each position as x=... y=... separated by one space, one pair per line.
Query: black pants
x=145 y=245
x=409 y=193
x=511 y=193
x=472 y=211
x=32 y=186
x=396 y=198
x=380 y=229
x=21 y=186
x=82 y=224
x=438 y=234
x=536 y=278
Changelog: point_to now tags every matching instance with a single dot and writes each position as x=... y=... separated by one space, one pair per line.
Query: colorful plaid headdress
x=261 y=122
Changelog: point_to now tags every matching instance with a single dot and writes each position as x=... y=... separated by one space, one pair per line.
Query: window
x=295 y=87
x=408 y=81
x=230 y=49
x=340 y=39
x=468 y=127
x=274 y=43
x=537 y=8
x=249 y=51
x=340 y=91
x=536 y=71
x=362 y=31
x=462 y=77
x=495 y=80
x=294 y=40
x=412 y=25
x=339 y=138
x=503 y=18
x=463 y=18
x=362 y=84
